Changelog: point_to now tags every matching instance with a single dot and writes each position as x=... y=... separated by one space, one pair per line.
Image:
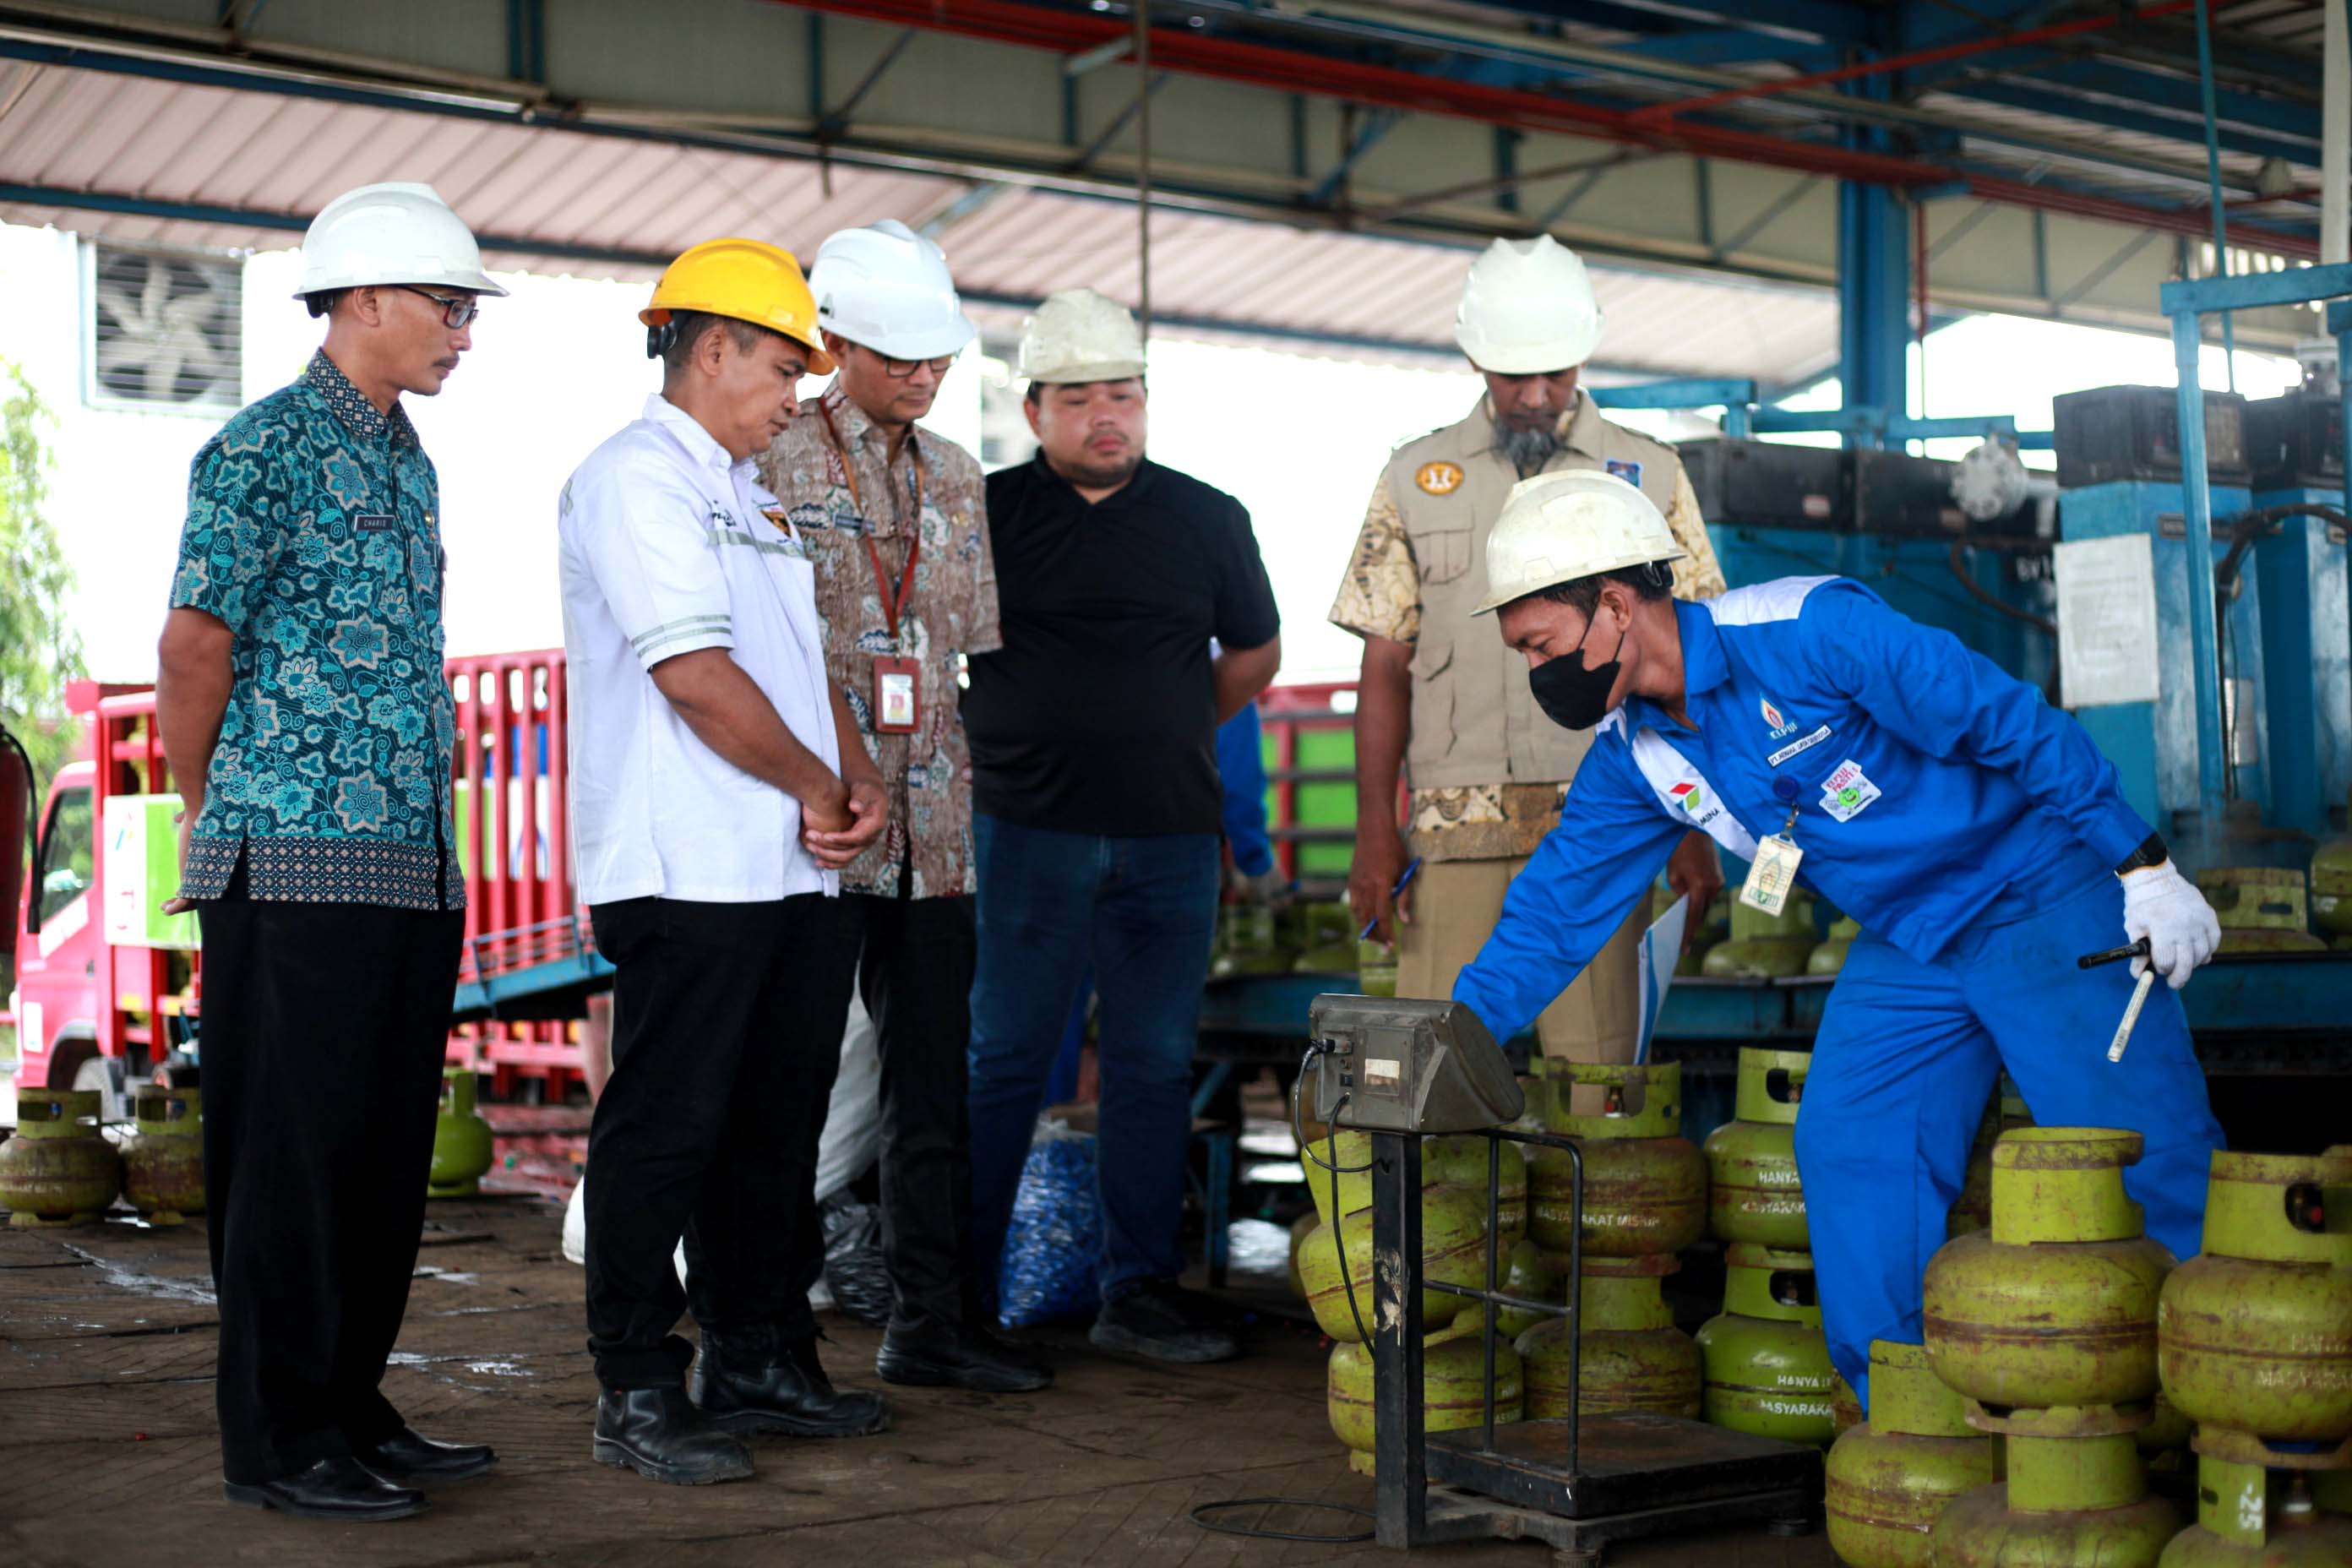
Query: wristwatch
x=2151 y=852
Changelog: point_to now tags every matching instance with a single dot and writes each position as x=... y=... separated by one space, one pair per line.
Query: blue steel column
x=1874 y=285
x=2339 y=321
x=1874 y=274
x=2196 y=498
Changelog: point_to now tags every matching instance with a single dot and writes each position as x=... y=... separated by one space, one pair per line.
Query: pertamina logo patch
x=1439 y=478
x=1690 y=797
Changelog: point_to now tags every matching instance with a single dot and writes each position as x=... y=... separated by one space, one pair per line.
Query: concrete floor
x=108 y=1454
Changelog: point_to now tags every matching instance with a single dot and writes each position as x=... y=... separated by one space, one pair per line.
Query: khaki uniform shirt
x=952 y=613
x=1383 y=596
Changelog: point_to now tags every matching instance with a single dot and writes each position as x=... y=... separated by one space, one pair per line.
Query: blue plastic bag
x=1053 y=1244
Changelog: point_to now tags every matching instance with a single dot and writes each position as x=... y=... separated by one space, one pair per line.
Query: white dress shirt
x=668 y=545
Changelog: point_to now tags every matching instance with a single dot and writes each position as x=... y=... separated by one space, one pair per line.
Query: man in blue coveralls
x=1977 y=835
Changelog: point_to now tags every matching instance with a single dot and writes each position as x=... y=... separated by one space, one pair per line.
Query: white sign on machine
x=2106 y=620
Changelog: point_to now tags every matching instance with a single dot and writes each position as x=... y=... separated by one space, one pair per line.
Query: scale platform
x=1637 y=1474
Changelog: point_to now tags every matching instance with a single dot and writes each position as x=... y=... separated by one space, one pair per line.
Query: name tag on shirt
x=373 y=521
x=895 y=708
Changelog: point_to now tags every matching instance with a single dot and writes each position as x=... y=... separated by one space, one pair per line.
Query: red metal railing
x=513 y=840
x=134 y=983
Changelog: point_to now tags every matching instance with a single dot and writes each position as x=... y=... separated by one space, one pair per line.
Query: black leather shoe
x=934 y=1354
x=408 y=1456
x=1156 y=1320
x=341 y=1488
x=660 y=1433
x=744 y=1389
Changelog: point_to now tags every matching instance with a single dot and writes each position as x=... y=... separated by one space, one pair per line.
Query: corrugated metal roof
x=217 y=168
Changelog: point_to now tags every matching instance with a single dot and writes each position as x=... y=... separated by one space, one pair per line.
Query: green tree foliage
x=38 y=651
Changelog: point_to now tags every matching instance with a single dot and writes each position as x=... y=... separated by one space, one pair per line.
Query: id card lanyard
x=898 y=685
x=1774 y=870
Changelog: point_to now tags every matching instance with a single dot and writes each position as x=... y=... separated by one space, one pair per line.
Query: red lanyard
x=893 y=605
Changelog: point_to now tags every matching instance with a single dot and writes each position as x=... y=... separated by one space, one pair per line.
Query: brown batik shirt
x=950 y=612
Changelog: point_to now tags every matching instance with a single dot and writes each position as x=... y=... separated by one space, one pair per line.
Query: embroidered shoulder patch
x=1439 y=478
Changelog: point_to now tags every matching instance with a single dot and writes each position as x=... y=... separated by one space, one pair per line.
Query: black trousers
x=727 y=1023
x=324 y=1031
x=914 y=975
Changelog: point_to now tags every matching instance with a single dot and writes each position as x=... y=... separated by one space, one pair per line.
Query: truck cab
x=58 y=941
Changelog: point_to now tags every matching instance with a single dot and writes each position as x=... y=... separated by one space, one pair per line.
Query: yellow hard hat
x=749 y=280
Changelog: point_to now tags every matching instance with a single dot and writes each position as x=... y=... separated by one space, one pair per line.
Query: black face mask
x=1572 y=696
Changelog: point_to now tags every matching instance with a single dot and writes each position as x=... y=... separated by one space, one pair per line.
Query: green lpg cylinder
x=1972 y=1210
x=1768 y=1367
x=1761 y=958
x=1889 y=1481
x=1452 y=1252
x=1376 y=968
x=1753 y=1193
x=1460 y=1159
x=1765 y=946
x=1246 y=944
x=1633 y=1356
x=1301 y=1228
x=1644 y=1183
x=1845 y=1407
x=2077 y=1502
x=461 y=1140
x=1327 y=939
x=1453 y=1389
x=2256 y=1332
x=1531 y=1274
x=2251 y=1516
x=2055 y=1305
x=2331 y=887
x=1829 y=958
x=58 y=1169
x=163 y=1163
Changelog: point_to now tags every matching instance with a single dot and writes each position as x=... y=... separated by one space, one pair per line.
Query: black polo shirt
x=1098 y=715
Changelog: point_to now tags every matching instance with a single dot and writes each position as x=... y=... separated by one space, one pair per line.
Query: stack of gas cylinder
x=62 y=1169
x=1644 y=1201
x=2254 y=1345
x=1334 y=1257
x=1972 y=1210
x=2045 y=1324
x=1766 y=1367
x=1889 y=1481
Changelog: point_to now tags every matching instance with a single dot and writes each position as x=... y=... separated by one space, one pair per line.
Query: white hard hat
x=1572 y=524
x=887 y=289
x=1080 y=335
x=1528 y=307
x=390 y=233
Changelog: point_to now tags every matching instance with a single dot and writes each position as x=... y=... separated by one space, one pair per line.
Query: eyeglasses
x=900 y=369
x=456 y=310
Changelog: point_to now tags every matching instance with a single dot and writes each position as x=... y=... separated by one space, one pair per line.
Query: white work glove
x=2163 y=906
x=1269 y=885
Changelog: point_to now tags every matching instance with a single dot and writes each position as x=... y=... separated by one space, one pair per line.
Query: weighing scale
x=1397 y=1068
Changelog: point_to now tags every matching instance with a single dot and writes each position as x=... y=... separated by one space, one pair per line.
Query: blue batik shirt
x=314 y=534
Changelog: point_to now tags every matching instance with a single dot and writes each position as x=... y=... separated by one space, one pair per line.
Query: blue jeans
x=1142 y=911
x=1908 y=1054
